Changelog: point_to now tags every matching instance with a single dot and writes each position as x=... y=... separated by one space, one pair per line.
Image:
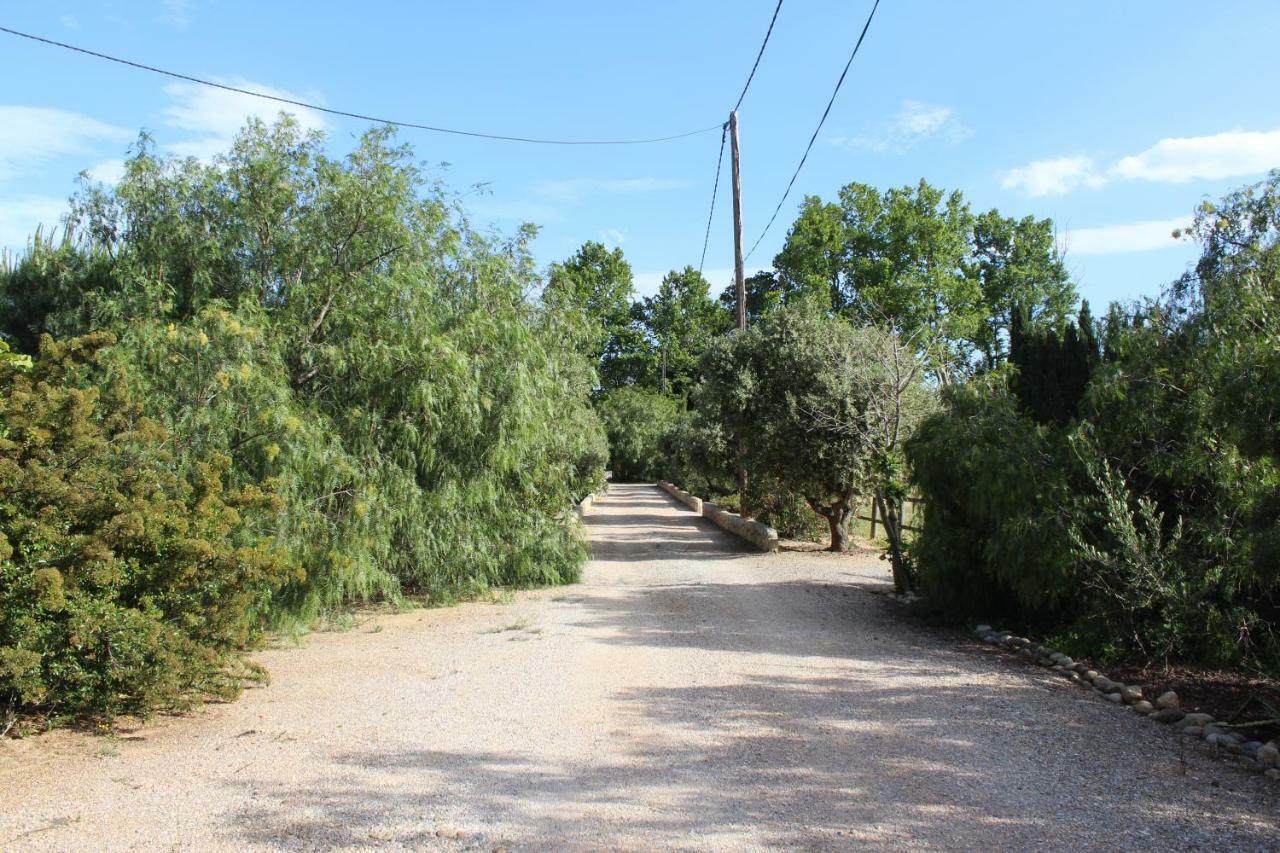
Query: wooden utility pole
x=739 y=278
x=740 y=287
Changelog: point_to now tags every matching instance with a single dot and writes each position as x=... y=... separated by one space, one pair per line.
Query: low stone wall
x=583 y=508
x=692 y=501
x=758 y=534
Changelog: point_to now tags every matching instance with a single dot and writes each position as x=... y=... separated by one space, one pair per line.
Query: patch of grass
x=518 y=625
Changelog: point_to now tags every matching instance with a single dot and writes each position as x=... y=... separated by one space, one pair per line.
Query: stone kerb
x=758 y=534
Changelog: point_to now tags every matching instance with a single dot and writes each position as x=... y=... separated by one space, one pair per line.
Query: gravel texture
x=692 y=693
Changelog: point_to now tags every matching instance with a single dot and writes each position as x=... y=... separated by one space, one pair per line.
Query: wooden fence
x=867 y=513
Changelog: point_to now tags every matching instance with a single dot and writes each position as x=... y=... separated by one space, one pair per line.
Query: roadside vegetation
x=1110 y=482
x=246 y=394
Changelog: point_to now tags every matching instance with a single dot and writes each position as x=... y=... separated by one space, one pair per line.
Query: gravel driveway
x=690 y=694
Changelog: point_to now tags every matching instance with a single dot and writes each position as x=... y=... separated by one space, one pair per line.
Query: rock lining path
x=690 y=694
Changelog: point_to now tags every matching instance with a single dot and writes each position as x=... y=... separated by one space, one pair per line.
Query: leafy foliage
x=636 y=420
x=124 y=586
x=1137 y=510
x=333 y=327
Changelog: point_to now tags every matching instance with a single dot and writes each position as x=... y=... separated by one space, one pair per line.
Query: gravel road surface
x=690 y=694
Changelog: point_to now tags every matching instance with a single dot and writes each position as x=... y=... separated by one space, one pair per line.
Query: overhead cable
x=375 y=119
x=822 y=120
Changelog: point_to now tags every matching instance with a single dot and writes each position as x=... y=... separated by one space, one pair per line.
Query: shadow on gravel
x=814 y=762
x=829 y=724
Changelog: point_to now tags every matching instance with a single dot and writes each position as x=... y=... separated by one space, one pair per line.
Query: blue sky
x=1113 y=118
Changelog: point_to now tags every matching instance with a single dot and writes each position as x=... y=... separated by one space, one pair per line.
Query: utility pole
x=740 y=285
x=739 y=277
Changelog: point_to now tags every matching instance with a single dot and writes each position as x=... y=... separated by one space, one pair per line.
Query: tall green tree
x=331 y=323
x=595 y=287
x=1015 y=262
x=681 y=319
x=896 y=259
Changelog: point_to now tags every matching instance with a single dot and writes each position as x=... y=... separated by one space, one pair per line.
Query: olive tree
x=768 y=385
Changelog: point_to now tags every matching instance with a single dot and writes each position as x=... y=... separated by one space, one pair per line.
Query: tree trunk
x=743 y=509
x=838 y=521
x=891 y=515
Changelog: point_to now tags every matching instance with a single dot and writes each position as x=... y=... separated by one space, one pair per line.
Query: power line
x=751 y=76
x=821 y=121
x=715 y=187
x=344 y=113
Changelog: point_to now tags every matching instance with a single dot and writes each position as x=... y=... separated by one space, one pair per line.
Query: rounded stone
x=1106 y=685
x=982 y=629
x=1168 y=715
x=1192 y=731
x=1131 y=693
x=1167 y=699
x=1115 y=697
x=1273 y=773
x=1268 y=755
x=1091 y=675
x=1143 y=707
x=1196 y=719
x=1251 y=747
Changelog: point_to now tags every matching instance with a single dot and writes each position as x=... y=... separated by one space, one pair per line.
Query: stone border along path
x=1253 y=754
x=757 y=533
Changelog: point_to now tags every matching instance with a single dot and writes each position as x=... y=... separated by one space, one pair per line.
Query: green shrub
x=636 y=420
x=124 y=587
x=333 y=324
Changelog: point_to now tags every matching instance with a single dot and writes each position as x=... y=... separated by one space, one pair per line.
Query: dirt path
x=689 y=694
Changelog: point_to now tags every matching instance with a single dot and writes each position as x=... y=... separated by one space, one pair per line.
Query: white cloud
x=33 y=136
x=215 y=116
x=572 y=189
x=107 y=172
x=1223 y=155
x=1144 y=236
x=178 y=12
x=521 y=211
x=914 y=123
x=19 y=218
x=612 y=237
x=71 y=22
x=1173 y=160
x=1053 y=177
x=647 y=283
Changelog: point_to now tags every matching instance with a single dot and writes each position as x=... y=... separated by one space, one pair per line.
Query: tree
x=764 y=293
x=681 y=319
x=595 y=287
x=636 y=420
x=1016 y=263
x=916 y=258
x=895 y=258
x=333 y=323
x=882 y=374
x=780 y=386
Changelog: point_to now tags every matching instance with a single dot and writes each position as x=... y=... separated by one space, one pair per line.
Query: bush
x=334 y=325
x=1140 y=517
x=636 y=420
x=124 y=587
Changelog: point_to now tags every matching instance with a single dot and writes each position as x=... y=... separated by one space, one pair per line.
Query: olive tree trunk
x=891 y=515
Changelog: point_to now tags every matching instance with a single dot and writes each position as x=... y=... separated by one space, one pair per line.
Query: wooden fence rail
x=908 y=512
